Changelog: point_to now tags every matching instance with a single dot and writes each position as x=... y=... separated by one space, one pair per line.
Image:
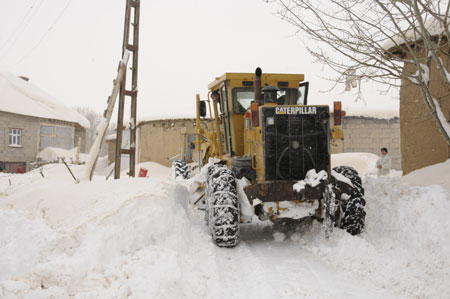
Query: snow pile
x=53 y=154
x=105 y=239
x=139 y=238
x=405 y=244
x=22 y=97
x=364 y=163
x=438 y=174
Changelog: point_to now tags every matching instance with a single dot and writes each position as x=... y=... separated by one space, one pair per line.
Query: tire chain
x=180 y=169
x=353 y=208
x=222 y=207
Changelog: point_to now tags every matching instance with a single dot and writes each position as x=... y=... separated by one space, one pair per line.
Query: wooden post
x=95 y=149
x=132 y=47
x=78 y=151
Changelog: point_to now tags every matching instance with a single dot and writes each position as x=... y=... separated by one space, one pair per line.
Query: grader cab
x=264 y=131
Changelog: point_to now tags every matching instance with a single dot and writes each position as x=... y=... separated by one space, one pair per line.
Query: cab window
x=243 y=96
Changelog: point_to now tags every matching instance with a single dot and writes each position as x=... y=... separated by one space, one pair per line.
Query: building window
x=15 y=137
x=56 y=136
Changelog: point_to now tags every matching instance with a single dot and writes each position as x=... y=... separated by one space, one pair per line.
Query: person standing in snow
x=19 y=170
x=384 y=162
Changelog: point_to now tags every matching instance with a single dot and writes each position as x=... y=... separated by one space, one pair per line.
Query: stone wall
x=369 y=135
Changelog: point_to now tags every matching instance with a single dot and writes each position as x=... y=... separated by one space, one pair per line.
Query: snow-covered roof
x=379 y=113
x=361 y=111
x=432 y=25
x=22 y=97
x=147 y=118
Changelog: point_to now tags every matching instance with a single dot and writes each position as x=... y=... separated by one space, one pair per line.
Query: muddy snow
x=141 y=238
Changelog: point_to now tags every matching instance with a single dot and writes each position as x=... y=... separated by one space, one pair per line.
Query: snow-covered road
x=139 y=238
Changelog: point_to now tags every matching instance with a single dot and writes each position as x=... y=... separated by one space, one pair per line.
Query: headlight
x=295 y=144
x=270 y=121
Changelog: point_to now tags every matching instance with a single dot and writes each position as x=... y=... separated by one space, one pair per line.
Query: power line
x=22 y=29
x=13 y=33
x=45 y=34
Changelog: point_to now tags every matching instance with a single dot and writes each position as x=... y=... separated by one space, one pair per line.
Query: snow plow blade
x=272 y=191
x=284 y=191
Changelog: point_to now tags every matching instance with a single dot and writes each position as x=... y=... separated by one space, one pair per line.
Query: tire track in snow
x=241 y=274
x=291 y=271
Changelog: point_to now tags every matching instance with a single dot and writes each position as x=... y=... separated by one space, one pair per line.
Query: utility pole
x=131 y=31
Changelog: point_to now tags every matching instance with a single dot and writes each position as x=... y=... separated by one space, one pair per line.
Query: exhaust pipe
x=258 y=73
x=257 y=101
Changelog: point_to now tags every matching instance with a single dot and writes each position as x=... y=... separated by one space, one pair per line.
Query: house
x=421 y=142
x=173 y=136
x=31 y=120
x=164 y=140
x=158 y=140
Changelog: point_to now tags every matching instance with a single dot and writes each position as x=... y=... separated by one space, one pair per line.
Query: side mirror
x=303 y=93
x=202 y=108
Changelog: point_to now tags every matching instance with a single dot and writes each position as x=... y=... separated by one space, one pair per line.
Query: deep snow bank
x=405 y=246
x=438 y=174
x=364 y=163
x=128 y=238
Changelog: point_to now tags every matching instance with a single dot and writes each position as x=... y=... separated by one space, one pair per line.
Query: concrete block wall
x=364 y=134
x=30 y=135
x=30 y=127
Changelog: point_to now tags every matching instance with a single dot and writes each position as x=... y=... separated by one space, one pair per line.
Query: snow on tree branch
x=374 y=39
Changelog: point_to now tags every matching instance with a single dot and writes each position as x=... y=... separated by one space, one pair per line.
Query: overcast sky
x=71 y=50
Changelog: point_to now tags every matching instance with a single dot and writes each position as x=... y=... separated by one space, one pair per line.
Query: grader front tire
x=222 y=212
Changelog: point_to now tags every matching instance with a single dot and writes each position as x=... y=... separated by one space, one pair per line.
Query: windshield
x=243 y=96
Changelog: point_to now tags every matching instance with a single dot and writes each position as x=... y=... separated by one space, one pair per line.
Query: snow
x=441 y=117
x=438 y=174
x=247 y=210
x=21 y=97
x=111 y=137
x=52 y=154
x=432 y=25
x=147 y=118
x=362 y=111
x=352 y=110
x=95 y=149
x=340 y=177
x=140 y=238
x=364 y=163
x=313 y=178
x=447 y=74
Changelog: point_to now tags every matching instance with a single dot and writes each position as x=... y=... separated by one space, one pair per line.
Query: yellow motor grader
x=264 y=131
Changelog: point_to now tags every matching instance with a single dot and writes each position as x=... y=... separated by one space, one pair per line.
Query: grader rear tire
x=222 y=206
x=354 y=213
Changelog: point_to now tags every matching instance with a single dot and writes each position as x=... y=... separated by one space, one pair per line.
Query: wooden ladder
x=132 y=7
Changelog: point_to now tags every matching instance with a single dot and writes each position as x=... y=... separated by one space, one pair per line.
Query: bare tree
x=94 y=118
x=373 y=39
